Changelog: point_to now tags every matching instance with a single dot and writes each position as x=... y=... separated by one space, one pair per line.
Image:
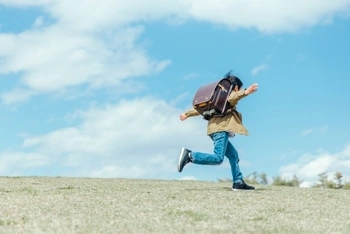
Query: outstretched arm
x=251 y=89
x=236 y=96
x=188 y=113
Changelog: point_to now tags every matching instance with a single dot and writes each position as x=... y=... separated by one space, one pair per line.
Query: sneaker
x=184 y=158
x=242 y=186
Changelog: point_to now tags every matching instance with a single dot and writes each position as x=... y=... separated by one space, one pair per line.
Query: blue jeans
x=222 y=147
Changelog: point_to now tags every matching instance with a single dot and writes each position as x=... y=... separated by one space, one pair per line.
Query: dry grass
x=84 y=205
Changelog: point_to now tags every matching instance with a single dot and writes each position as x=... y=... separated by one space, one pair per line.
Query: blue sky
x=96 y=91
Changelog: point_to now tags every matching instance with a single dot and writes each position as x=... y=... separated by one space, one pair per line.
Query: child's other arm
x=189 y=113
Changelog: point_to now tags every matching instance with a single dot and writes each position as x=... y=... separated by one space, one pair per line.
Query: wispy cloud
x=309 y=166
x=308 y=131
x=187 y=178
x=83 y=58
x=100 y=142
x=323 y=129
x=274 y=16
x=38 y=22
x=288 y=153
x=258 y=69
x=100 y=46
x=191 y=76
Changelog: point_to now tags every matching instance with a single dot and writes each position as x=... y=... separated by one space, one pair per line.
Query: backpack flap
x=222 y=92
x=211 y=99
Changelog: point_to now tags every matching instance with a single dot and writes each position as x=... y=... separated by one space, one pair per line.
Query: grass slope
x=87 y=205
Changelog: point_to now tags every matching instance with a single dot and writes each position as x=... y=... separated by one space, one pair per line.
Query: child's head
x=237 y=83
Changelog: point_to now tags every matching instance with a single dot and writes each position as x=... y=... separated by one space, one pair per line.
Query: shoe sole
x=242 y=189
x=180 y=159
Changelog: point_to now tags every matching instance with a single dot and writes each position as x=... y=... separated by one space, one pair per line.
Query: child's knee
x=219 y=159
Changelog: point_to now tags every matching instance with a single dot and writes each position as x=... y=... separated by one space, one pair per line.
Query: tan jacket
x=231 y=122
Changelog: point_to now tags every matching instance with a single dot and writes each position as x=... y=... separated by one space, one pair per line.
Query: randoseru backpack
x=211 y=99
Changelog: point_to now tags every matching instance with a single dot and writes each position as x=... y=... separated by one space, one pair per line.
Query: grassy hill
x=88 y=205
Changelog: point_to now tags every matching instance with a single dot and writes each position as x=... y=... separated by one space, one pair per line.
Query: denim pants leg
x=222 y=147
x=220 y=140
x=232 y=155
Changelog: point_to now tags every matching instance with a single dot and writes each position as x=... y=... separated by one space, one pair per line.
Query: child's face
x=236 y=89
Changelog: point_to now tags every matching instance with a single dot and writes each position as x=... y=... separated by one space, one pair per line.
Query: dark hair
x=234 y=80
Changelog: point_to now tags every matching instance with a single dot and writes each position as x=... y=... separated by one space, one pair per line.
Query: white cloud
x=54 y=59
x=25 y=3
x=98 y=45
x=191 y=76
x=274 y=16
x=16 y=95
x=38 y=22
x=120 y=172
x=12 y=163
x=309 y=166
x=270 y=17
x=308 y=131
x=258 y=69
x=323 y=129
x=140 y=137
x=188 y=178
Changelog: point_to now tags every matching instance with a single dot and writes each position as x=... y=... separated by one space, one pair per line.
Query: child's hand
x=183 y=117
x=251 y=89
